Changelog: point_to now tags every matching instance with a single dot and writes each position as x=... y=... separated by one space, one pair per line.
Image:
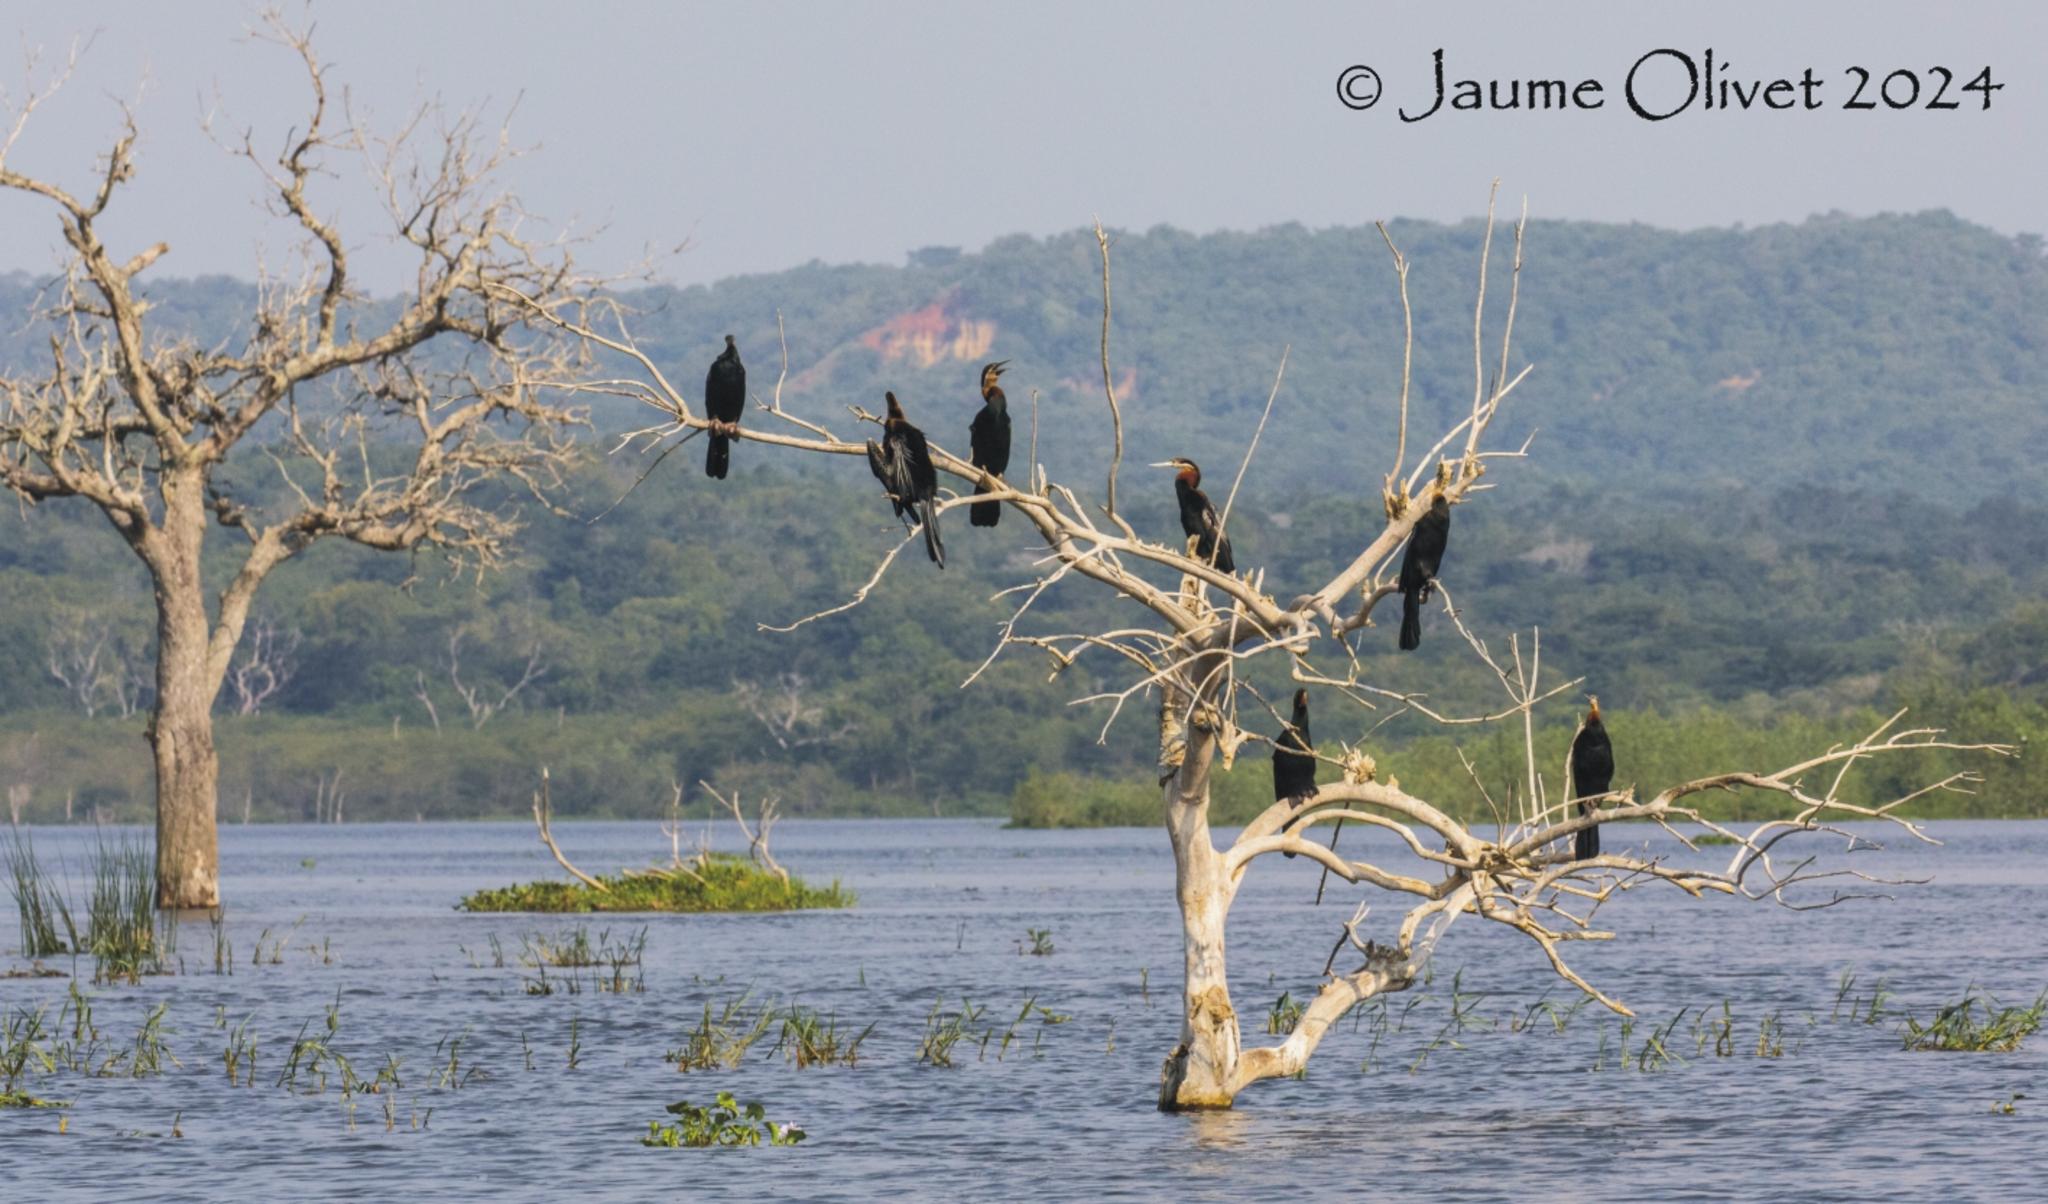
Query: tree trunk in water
x=181 y=729
x=1198 y=1073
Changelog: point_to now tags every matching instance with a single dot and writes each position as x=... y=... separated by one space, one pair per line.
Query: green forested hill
x=1896 y=354
x=1783 y=476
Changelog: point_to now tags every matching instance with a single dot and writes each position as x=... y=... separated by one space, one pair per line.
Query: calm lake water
x=1478 y=1112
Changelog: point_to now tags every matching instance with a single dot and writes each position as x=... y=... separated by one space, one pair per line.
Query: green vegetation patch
x=726 y=1122
x=724 y=883
x=22 y=1099
x=1977 y=1025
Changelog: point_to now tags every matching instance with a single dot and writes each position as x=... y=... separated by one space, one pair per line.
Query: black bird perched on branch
x=1197 y=517
x=1294 y=765
x=725 y=399
x=903 y=464
x=1419 y=567
x=1592 y=772
x=989 y=438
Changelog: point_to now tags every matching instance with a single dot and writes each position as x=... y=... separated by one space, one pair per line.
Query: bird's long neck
x=993 y=395
x=1190 y=479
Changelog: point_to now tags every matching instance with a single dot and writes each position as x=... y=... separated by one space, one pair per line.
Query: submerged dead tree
x=376 y=422
x=1207 y=626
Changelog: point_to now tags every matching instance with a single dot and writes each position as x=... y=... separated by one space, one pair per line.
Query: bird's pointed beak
x=998 y=366
x=1165 y=464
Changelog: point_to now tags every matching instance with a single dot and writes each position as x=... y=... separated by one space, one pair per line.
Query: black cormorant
x=903 y=464
x=1197 y=517
x=989 y=438
x=1294 y=765
x=1592 y=759
x=725 y=399
x=1419 y=566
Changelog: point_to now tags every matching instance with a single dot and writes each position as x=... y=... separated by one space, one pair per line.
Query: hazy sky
x=767 y=135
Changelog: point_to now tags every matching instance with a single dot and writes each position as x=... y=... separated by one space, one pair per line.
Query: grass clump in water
x=573 y=950
x=41 y=904
x=721 y=883
x=121 y=917
x=1285 y=1014
x=22 y=1050
x=810 y=1039
x=122 y=929
x=1977 y=1025
x=720 y=1041
x=942 y=1031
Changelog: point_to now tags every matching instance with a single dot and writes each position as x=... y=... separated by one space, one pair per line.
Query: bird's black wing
x=917 y=459
x=725 y=389
x=1224 y=561
x=989 y=438
x=1425 y=554
x=1294 y=769
x=922 y=478
x=1213 y=540
x=1592 y=762
x=886 y=462
x=1589 y=771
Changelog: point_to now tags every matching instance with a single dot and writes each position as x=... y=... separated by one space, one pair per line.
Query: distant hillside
x=1886 y=353
x=1896 y=353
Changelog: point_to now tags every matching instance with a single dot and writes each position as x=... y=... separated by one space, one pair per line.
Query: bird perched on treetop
x=1419 y=566
x=1294 y=762
x=903 y=464
x=725 y=400
x=1591 y=773
x=1197 y=517
x=988 y=438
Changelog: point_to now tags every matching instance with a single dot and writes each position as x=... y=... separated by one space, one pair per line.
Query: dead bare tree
x=791 y=720
x=757 y=834
x=1207 y=627
x=77 y=654
x=327 y=797
x=130 y=679
x=266 y=664
x=484 y=700
x=98 y=663
x=392 y=426
x=544 y=820
x=21 y=766
x=426 y=697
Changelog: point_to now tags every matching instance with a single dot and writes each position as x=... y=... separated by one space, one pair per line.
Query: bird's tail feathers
x=717 y=456
x=1411 y=621
x=933 y=547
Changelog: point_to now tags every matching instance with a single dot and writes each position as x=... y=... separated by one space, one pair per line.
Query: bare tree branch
x=543 y=815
